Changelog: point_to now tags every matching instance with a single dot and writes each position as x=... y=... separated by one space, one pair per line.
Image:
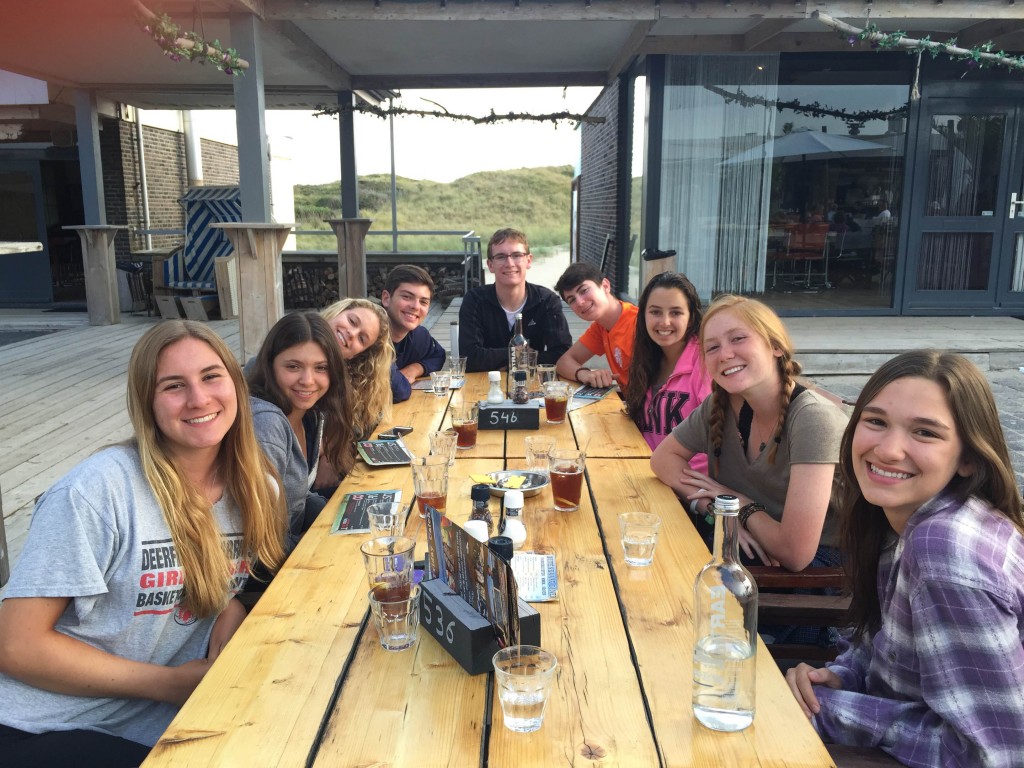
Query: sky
x=438 y=149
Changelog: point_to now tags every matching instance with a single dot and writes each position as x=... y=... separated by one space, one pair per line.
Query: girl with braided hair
x=769 y=441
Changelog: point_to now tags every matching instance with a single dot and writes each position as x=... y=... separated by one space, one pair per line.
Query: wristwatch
x=748 y=510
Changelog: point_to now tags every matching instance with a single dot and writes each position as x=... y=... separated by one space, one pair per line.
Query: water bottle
x=517 y=361
x=453 y=336
x=725 y=629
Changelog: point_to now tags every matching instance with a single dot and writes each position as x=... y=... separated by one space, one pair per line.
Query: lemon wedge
x=485 y=479
x=513 y=481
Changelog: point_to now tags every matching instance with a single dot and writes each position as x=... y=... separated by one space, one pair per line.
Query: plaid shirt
x=942 y=682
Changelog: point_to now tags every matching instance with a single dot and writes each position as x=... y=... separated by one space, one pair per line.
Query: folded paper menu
x=536 y=576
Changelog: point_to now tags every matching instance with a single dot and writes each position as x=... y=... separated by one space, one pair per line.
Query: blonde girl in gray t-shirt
x=123 y=595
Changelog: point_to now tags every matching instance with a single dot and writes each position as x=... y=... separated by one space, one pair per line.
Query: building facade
x=823 y=183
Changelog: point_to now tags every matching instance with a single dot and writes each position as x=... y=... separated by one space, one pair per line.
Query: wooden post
x=101 y=296
x=260 y=283
x=351 y=234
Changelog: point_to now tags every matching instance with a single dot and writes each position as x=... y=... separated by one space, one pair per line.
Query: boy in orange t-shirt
x=612 y=327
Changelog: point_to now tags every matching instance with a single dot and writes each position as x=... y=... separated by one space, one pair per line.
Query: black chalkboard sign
x=508 y=415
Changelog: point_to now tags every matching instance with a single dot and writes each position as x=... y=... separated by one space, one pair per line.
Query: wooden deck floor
x=62 y=396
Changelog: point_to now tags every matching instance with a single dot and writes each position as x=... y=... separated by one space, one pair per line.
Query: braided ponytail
x=717 y=422
x=789 y=369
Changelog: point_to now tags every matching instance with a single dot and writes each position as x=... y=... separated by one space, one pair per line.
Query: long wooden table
x=305 y=682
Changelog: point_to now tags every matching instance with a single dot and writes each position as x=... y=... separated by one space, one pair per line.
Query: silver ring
x=702 y=491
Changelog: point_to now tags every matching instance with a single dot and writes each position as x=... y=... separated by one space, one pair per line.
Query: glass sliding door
x=781 y=176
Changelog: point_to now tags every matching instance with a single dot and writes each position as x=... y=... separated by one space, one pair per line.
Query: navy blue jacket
x=418 y=346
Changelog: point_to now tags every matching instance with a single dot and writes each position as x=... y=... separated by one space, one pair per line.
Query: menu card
x=536 y=576
x=381 y=453
x=351 y=517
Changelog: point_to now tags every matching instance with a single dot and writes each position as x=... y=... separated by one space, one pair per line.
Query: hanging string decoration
x=180 y=45
x=489 y=119
x=980 y=56
x=854 y=120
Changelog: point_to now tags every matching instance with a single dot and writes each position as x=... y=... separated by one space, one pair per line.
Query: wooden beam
x=299 y=47
x=756 y=38
x=629 y=49
x=991 y=30
x=627 y=10
x=496 y=80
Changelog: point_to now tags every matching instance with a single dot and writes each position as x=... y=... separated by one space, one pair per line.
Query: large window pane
x=954 y=261
x=963 y=162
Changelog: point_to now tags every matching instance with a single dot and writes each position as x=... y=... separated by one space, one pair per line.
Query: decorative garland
x=979 y=56
x=492 y=118
x=178 y=45
x=855 y=120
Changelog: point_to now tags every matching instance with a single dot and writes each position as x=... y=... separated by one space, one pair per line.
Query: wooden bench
x=802 y=610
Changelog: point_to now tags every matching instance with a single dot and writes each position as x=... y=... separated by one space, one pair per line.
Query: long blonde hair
x=246 y=471
x=369 y=372
x=763 y=321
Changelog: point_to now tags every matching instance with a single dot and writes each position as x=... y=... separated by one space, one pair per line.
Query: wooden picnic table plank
x=607 y=432
x=417 y=707
x=659 y=603
x=596 y=710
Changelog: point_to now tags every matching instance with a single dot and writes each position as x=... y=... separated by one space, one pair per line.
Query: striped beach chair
x=190 y=272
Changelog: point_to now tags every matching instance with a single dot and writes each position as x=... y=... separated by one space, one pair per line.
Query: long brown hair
x=763 y=321
x=369 y=372
x=248 y=475
x=865 y=528
x=647 y=355
x=299 y=328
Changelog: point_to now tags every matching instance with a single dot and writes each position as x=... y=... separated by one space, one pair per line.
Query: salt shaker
x=494 y=393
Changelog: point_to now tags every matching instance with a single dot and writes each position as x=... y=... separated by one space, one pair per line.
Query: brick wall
x=166 y=179
x=598 y=212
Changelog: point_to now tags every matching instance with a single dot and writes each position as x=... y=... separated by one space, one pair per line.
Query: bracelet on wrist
x=749 y=510
x=576 y=375
x=693 y=506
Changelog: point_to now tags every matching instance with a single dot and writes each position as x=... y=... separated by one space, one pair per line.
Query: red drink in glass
x=437 y=501
x=554 y=409
x=467 y=433
x=566 y=486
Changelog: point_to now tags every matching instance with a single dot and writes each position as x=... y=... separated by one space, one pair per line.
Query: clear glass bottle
x=453 y=337
x=517 y=359
x=725 y=629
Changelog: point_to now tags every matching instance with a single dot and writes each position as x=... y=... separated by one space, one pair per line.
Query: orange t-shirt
x=617 y=344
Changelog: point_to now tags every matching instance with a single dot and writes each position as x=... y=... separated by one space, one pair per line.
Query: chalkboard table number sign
x=508 y=415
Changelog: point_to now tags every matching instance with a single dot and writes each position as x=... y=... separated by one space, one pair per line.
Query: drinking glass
x=430 y=481
x=566 y=467
x=556 y=401
x=388 y=561
x=524 y=674
x=444 y=443
x=397 y=620
x=465 y=419
x=531 y=370
x=440 y=381
x=639 y=532
x=545 y=373
x=457 y=369
x=538 y=453
x=386 y=518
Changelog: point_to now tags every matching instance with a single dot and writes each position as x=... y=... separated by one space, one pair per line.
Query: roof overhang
x=312 y=49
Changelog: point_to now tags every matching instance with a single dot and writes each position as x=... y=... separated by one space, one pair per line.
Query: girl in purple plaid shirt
x=932 y=671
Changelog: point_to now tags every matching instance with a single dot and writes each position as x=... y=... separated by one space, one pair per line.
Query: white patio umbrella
x=808 y=145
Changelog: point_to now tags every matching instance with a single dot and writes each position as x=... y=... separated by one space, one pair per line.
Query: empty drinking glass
x=386 y=518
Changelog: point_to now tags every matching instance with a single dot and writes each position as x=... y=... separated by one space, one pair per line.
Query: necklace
x=764 y=440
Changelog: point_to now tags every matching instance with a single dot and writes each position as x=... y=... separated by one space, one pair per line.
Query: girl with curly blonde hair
x=364 y=336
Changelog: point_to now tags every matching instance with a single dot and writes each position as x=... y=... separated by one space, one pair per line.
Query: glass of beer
x=556 y=401
x=430 y=482
x=464 y=420
x=566 y=467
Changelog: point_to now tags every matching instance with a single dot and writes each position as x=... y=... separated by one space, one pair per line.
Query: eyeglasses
x=501 y=258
